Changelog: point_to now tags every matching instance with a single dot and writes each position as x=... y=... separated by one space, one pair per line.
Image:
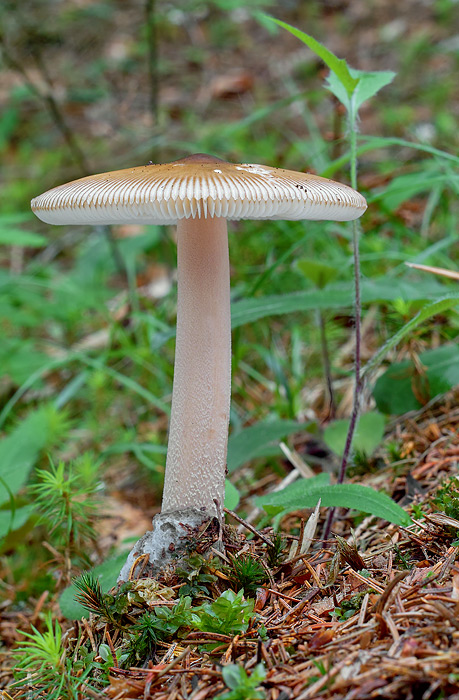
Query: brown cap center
x=200 y=158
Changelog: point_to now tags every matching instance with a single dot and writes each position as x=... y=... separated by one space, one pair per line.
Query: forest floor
x=373 y=613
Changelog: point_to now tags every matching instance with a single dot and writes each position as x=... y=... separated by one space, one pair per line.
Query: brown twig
x=249 y=527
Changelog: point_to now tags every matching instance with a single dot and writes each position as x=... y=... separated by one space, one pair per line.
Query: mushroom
x=199 y=193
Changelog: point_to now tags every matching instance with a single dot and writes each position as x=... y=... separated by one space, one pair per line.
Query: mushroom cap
x=197 y=186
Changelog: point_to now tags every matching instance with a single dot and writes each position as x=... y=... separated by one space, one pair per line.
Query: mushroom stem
x=198 y=432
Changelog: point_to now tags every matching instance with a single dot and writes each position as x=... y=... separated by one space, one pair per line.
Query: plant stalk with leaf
x=352 y=88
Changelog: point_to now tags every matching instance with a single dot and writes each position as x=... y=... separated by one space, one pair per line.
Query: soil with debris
x=373 y=614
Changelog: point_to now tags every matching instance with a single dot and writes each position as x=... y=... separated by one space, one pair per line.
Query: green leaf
x=20 y=449
x=19 y=359
x=30 y=381
x=243 y=687
x=18 y=237
x=376 y=143
x=13 y=520
x=350 y=86
x=255 y=441
x=107 y=573
x=367 y=437
x=14 y=219
x=232 y=496
x=426 y=312
x=335 y=296
x=233 y=675
x=302 y=494
x=368 y=84
x=334 y=84
x=409 y=185
x=319 y=273
x=399 y=389
x=228 y=614
x=338 y=66
x=272 y=511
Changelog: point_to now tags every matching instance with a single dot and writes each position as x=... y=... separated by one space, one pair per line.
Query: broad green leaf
x=18 y=237
x=367 y=437
x=232 y=496
x=407 y=186
x=368 y=84
x=336 y=87
x=273 y=511
x=233 y=675
x=21 y=448
x=335 y=64
x=274 y=502
x=252 y=442
x=319 y=273
x=14 y=219
x=302 y=494
x=401 y=388
x=335 y=296
x=13 y=520
x=427 y=312
x=352 y=87
x=107 y=573
x=293 y=493
x=20 y=358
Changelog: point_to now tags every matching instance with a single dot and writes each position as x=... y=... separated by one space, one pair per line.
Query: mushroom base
x=175 y=534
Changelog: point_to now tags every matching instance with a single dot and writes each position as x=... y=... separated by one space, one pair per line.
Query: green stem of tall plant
x=352 y=117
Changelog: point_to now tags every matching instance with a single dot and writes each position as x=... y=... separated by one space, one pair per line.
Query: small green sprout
x=241 y=685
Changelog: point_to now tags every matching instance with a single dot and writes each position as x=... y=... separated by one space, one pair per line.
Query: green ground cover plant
x=242 y=686
x=43 y=663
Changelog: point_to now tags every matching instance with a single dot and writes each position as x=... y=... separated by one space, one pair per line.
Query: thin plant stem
x=353 y=144
x=357 y=361
x=49 y=100
x=152 y=41
x=357 y=316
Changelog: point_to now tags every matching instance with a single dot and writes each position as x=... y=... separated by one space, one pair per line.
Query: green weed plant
x=241 y=685
x=42 y=663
